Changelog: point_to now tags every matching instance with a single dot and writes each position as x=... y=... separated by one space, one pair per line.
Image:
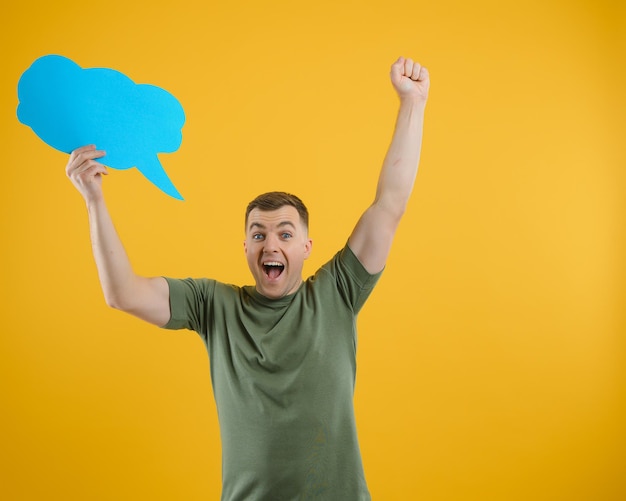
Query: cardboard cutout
x=68 y=107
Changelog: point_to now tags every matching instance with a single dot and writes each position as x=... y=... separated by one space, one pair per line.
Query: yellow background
x=491 y=356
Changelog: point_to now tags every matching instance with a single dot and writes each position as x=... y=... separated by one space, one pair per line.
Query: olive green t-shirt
x=283 y=374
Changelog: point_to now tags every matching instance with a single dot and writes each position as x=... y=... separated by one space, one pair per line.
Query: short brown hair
x=275 y=200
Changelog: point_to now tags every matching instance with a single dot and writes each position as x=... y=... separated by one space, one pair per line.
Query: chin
x=273 y=292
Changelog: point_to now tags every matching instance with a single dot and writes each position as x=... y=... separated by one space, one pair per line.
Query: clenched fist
x=410 y=79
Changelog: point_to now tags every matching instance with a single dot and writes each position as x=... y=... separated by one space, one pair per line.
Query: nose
x=271 y=243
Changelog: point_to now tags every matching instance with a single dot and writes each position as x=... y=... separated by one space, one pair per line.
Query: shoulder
x=346 y=264
x=343 y=278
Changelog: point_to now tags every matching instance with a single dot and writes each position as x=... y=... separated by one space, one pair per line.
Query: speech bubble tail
x=155 y=173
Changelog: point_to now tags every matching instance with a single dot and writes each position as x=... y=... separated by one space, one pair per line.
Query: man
x=282 y=352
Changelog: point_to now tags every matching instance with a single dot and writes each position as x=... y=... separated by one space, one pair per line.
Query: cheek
x=248 y=247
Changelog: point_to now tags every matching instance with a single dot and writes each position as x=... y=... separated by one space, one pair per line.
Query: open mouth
x=273 y=269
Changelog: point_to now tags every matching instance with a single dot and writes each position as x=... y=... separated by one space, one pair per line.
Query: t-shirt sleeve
x=354 y=281
x=189 y=300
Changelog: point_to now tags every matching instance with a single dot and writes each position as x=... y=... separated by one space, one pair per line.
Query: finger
x=408 y=67
x=78 y=151
x=87 y=165
x=100 y=169
x=89 y=151
x=80 y=165
x=424 y=75
x=87 y=147
x=90 y=154
x=89 y=172
x=82 y=155
x=416 y=71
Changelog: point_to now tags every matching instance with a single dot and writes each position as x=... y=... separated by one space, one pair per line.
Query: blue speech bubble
x=68 y=106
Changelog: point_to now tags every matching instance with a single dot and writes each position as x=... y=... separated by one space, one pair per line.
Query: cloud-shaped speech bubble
x=68 y=106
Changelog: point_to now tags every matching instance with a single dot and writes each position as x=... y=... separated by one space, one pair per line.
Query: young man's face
x=276 y=246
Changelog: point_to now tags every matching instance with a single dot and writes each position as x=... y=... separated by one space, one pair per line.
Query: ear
x=308 y=247
x=245 y=247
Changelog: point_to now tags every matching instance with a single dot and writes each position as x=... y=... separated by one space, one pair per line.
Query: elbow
x=120 y=294
x=394 y=209
x=396 y=213
x=111 y=302
x=114 y=301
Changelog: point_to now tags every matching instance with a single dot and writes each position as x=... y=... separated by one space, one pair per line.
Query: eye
x=257 y=236
x=286 y=235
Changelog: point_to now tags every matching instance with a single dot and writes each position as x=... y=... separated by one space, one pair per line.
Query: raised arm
x=146 y=298
x=372 y=237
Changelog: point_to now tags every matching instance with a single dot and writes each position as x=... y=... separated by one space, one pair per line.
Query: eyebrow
x=263 y=227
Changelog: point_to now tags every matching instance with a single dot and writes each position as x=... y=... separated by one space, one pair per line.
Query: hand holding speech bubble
x=68 y=107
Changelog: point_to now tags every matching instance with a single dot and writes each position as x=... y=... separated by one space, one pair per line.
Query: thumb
x=397 y=69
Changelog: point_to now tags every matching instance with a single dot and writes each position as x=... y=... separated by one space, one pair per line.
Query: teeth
x=273 y=263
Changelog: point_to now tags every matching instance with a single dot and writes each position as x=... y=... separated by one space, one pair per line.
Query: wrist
x=415 y=102
x=94 y=201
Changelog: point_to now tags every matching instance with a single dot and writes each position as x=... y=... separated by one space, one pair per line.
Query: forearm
x=372 y=236
x=399 y=169
x=114 y=269
x=147 y=298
